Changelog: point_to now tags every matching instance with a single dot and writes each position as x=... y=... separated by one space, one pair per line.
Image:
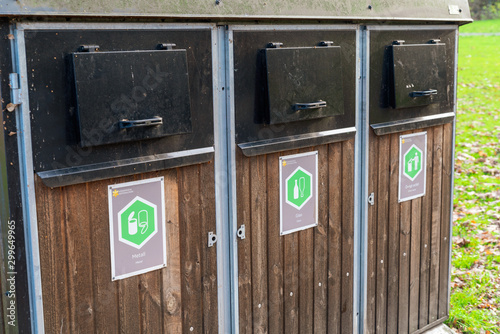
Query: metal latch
x=212 y=239
x=15 y=88
x=398 y=42
x=88 y=48
x=241 y=232
x=166 y=46
x=326 y=43
x=127 y=124
x=371 y=199
x=274 y=45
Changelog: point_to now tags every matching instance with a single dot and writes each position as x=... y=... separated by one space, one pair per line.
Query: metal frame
x=233 y=221
x=23 y=123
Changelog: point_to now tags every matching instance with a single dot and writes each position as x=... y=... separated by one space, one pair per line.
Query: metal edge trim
x=231 y=162
x=27 y=177
x=110 y=26
x=220 y=177
x=357 y=271
x=463 y=20
x=364 y=162
x=284 y=27
x=299 y=141
x=81 y=174
x=412 y=27
x=412 y=123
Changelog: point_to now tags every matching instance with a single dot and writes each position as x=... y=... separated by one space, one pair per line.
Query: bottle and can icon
x=133 y=224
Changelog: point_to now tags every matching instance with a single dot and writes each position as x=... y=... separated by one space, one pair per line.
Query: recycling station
x=223 y=166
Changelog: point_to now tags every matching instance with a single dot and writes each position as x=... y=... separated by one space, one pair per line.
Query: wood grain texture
x=321 y=245
x=371 y=297
x=382 y=202
x=437 y=168
x=393 y=242
x=416 y=212
x=447 y=207
x=335 y=238
x=425 y=237
x=79 y=295
x=275 y=248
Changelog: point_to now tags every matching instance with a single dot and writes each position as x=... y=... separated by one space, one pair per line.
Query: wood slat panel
x=209 y=255
x=437 y=167
x=382 y=202
x=105 y=291
x=404 y=266
x=416 y=218
x=291 y=284
x=321 y=245
x=258 y=212
x=372 y=237
x=393 y=235
x=171 y=275
x=425 y=237
x=444 y=266
x=335 y=238
x=191 y=248
x=76 y=215
x=347 y=234
x=275 y=248
x=53 y=260
x=245 y=245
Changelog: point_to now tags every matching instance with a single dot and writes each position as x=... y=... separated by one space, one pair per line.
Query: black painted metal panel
x=250 y=83
x=130 y=89
x=304 y=83
x=382 y=78
x=419 y=75
x=53 y=105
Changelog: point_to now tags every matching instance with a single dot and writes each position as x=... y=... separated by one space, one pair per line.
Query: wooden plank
x=171 y=275
x=425 y=238
x=306 y=280
x=191 y=244
x=258 y=213
x=393 y=235
x=244 y=246
x=416 y=219
x=53 y=260
x=347 y=234
x=437 y=168
x=274 y=246
x=321 y=245
x=382 y=202
x=77 y=224
x=404 y=266
x=150 y=293
x=334 y=237
x=105 y=291
x=444 y=266
x=209 y=255
x=372 y=236
x=291 y=284
x=128 y=295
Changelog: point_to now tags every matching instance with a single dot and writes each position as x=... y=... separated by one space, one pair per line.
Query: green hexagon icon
x=299 y=188
x=413 y=162
x=137 y=222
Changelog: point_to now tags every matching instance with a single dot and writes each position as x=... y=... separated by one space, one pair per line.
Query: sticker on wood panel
x=412 y=165
x=137 y=227
x=298 y=192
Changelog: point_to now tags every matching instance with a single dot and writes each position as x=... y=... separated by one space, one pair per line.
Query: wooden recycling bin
x=409 y=216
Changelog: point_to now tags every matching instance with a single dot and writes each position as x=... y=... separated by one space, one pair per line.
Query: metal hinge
x=15 y=88
x=212 y=239
x=241 y=232
x=371 y=199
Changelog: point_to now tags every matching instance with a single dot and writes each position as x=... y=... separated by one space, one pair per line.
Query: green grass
x=487 y=26
x=475 y=297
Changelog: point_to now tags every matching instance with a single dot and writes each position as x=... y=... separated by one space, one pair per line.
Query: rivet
x=381 y=261
x=319 y=283
x=291 y=294
x=191 y=329
x=404 y=254
x=260 y=305
x=347 y=274
x=425 y=246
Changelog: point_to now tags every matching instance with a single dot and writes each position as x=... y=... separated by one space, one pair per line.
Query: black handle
x=420 y=93
x=312 y=105
x=127 y=124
